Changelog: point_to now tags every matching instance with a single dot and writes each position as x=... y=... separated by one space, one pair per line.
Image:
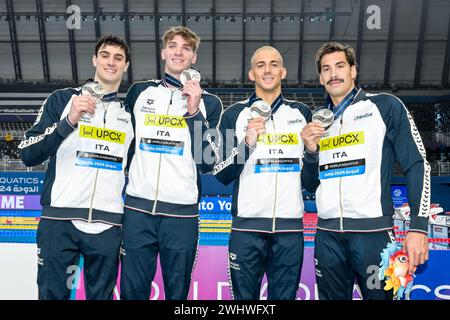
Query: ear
x=353 y=72
x=321 y=80
x=163 y=54
x=126 y=66
x=194 y=59
x=94 y=61
x=283 y=73
x=251 y=75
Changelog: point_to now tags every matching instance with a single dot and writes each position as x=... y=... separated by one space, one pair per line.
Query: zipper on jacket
x=276 y=185
x=97 y=170
x=159 y=162
x=341 y=221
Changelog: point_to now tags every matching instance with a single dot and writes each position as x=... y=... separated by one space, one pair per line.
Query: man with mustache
x=354 y=204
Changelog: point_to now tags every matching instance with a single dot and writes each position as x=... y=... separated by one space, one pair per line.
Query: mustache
x=335 y=79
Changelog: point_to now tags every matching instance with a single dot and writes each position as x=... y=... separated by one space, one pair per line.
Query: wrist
x=312 y=148
x=72 y=122
x=193 y=112
x=248 y=144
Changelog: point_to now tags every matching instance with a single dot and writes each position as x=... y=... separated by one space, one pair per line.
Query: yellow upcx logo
x=102 y=134
x=344 y=140
x=278 y=138
x=159 y=120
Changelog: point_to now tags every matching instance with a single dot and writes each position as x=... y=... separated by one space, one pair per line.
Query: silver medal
x=323 y=116
x=93 y=89
x=261 y=109
x=190 y=74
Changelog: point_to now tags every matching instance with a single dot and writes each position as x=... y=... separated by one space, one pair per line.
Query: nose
x=178 y=51
x=110 y=61
x=333 y=73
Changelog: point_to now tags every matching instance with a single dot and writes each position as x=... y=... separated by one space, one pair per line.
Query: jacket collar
x=348 y=100
x=170 y=80
x=275 y=104
x=113 y=96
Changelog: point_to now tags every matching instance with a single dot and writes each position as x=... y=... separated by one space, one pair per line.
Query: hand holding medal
x=190 y=79
x=93 y=89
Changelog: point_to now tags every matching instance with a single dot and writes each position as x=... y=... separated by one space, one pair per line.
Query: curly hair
x=190 y=36
x=331 y=47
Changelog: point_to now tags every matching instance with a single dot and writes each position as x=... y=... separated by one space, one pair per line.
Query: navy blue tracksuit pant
x=279 y=255
x=60 y=245
x=343 y=257
x=144 y=237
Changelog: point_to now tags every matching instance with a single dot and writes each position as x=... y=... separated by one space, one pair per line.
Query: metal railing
x=438 y=168
x=18 y=165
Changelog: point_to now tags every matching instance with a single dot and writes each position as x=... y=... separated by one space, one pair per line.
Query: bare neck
x=268 y=96
x=338 y=99
x=108 y=87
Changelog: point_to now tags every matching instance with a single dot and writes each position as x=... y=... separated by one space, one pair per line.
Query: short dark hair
x=113 y=41
x=331 y=47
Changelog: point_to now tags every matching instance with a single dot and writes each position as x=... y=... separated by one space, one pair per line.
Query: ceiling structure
x=399 y=43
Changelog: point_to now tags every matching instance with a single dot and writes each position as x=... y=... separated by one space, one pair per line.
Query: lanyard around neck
x=340 y=108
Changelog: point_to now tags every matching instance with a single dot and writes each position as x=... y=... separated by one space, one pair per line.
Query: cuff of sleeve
x=245 y=149
x=190 y=116
x=191 y=119
x=65 y=128
x=311 y=156
x=419 y=224
x=248 y=146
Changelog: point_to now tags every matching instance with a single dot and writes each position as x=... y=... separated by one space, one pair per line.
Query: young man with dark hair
x=356 y=160
x=173 y=123
x=263 y=155
x=87 y=142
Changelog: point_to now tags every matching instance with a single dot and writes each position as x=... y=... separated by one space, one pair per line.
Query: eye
x=403 y=259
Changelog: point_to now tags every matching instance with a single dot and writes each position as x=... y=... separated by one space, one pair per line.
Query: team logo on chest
x=158 y=120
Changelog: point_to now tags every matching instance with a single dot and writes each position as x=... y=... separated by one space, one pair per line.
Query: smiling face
x=267 y=70
x=336 y=75
x=110 y=63
x=178 y=55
